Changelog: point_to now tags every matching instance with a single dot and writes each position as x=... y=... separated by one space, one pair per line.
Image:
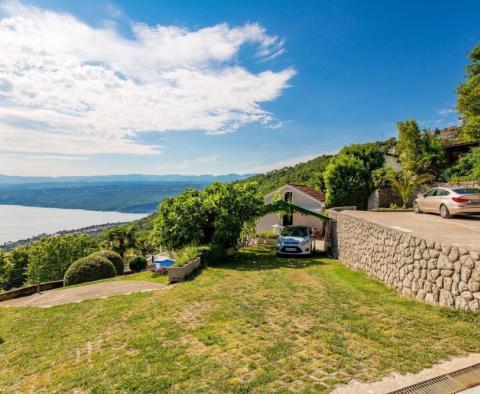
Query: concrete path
x=397 y=381
x=461 y=231
x=86 y=292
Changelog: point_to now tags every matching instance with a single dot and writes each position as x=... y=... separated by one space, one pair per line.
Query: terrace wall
x=427 y=270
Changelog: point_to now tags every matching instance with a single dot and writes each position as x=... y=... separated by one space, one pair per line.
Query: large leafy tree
x=420 y=153
x=468 y=99
x=50 y=258
x=370 y=154
x=348 y=182
x=214 y=215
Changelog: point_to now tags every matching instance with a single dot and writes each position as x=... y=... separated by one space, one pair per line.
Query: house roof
x=319 y=196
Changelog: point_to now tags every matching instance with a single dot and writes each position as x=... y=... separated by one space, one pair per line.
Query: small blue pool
x=164 y=263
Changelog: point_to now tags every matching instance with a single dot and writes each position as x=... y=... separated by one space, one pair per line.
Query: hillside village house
x=300 y=195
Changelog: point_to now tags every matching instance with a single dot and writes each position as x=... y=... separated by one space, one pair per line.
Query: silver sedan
x=448 y=201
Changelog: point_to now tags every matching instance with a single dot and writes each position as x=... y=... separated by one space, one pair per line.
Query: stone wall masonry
x=427 y=270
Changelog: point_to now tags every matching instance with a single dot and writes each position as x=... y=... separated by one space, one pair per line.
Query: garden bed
x=179 y=274
x=265 y=241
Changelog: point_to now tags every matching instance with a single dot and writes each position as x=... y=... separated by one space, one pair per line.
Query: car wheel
x=444 y=213
x=416 y=208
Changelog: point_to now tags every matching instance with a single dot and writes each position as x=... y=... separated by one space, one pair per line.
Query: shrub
x=348 y=182
x=268 y=234
x=87 y=269
x=187 y=254
x=138 y=263
x=213 y=254
x=114 y=258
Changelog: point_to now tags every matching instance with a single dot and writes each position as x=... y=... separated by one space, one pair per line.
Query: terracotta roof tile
x=311 y=192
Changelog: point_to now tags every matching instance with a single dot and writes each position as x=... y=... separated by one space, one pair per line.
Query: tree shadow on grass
x=263 y=258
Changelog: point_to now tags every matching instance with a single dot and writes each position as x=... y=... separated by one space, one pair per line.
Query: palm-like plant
x=121 y=238
x=406 y=184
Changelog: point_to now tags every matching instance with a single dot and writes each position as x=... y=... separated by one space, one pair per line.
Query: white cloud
x=447 y=111
x=67 y=87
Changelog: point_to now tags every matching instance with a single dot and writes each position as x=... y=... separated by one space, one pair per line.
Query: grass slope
x=257 y=324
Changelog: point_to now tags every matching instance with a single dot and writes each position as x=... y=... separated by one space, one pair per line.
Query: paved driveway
x=80 y=293
x=458 y=231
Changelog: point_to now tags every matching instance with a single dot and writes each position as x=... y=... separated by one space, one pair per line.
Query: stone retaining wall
x=427 y=270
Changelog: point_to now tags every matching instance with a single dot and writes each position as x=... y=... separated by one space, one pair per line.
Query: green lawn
x=257 y=324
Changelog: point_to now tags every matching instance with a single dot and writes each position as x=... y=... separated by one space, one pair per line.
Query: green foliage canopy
x=214 y=215
x=420 y=153
x=468 y=99
x=467 y=168
x=348 y=182
x=50 y=258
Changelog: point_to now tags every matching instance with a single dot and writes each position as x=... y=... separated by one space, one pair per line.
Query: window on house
x=287 y=220
x=288 y=197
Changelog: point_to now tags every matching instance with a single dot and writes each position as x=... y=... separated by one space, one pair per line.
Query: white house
x=300 y=195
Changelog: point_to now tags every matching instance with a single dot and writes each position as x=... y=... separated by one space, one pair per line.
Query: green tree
x=181 y=220
x=468 y=99
x=214 y=215
x=467 y=168
x=19 y=261
x=370 y=154
x=420 y=153
x=348 y=182
x=409 y=145
x=50 y=257
x=5 y=267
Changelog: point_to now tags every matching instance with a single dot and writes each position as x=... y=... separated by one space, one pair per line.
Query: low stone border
x=29 y=290
x=178 y=274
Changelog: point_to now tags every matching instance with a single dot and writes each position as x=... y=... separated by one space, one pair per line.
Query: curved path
x=85 y=292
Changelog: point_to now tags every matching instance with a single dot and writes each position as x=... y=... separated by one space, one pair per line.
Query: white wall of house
x=300 y=199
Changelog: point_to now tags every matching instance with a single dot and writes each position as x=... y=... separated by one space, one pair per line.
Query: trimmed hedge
x=138 y=263
x=87 y=269
x=114 y=258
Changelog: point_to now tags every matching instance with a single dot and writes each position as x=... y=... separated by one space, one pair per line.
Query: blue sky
x=116 y=86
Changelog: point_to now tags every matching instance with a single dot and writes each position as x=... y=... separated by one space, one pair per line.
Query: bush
x=114 y=258
x=87 y=269
x=268 y=234
x=138 y=263
x=187 y=254
x=348 y=182
x=213 y=254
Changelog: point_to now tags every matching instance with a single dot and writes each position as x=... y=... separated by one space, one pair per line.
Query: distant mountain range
x=203 y=179
x=125 y=193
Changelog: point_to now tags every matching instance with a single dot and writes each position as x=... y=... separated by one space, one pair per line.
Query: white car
x=295 y=240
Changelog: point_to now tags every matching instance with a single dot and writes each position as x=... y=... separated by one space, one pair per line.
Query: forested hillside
x=309 y=173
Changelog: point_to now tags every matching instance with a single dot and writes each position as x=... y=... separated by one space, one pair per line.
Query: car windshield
x=467 y=190
x=295 y=232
